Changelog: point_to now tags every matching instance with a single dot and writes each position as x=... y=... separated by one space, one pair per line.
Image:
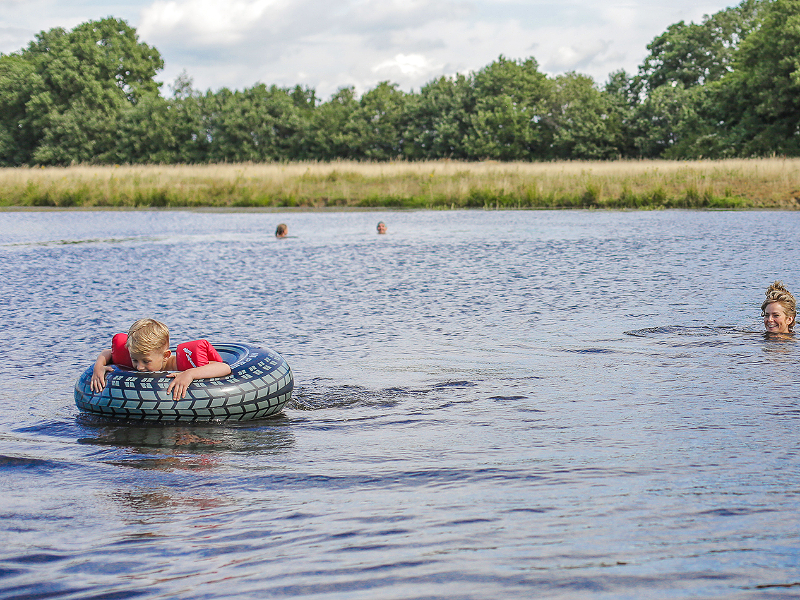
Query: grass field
x=728 y=184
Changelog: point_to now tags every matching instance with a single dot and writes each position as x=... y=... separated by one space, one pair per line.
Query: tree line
x=726 y=87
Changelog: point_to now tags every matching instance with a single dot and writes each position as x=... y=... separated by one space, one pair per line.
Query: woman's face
x=775 y=318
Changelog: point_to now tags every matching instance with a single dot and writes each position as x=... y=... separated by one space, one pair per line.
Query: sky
x=329 y=44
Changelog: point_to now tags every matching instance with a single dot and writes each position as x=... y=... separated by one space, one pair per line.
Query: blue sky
x=329 y=44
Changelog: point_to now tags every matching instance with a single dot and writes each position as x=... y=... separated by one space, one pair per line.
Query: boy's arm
x=101 y=368
x=182 y=379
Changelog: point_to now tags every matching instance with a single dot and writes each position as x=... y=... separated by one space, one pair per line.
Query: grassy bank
x=756 y=183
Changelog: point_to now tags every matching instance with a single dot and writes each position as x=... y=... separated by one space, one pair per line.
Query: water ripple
x=487 y=405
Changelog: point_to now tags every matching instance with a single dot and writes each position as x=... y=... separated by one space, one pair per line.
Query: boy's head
x=148 y=344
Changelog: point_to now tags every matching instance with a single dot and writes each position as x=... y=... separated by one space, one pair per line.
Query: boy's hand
x=98 y=381
x=180 y=381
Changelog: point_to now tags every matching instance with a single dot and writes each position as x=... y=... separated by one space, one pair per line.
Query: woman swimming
x=779 y=309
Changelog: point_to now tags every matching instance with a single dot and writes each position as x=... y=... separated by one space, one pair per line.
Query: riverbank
x=729 y=184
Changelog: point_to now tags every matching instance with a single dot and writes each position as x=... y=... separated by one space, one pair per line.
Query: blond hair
x=777 y=292
x=147 y=335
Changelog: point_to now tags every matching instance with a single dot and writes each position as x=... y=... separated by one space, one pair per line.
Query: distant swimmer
x=779 y=309
x=282 y=230
x=381 y=227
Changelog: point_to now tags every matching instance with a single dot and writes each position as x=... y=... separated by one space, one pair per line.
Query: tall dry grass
x=753 y=183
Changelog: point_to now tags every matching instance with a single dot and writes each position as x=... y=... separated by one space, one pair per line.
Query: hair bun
x=777 y=286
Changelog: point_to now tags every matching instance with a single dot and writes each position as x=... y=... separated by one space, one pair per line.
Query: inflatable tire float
x=260 y=385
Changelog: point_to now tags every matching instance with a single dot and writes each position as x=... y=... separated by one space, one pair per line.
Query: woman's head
x=779 y=309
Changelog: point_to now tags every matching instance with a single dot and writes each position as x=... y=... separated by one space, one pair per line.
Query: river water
x=487 y=405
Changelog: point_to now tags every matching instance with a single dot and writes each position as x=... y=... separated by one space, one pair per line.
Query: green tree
x=146 y=133
x=697 y=54
x=761 y=98
x=510 y=101
x=257 y=124
x=684 y=97
x=439 y=121
x=621 y=95
x=17 y=134
x=581 y=118
x=376 y=129
x=667 y=123
x=370 y=128
x=79 y=84
x=330 y=131
x=189 y=122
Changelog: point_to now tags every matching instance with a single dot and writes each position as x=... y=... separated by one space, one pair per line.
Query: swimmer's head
x=281 y=230
x=779 y=309
x=381 y=227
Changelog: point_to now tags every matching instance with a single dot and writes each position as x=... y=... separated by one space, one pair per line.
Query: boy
x=146 y=348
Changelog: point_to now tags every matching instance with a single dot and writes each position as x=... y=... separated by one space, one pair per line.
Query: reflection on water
x=146 y=502
x=171 y=446
x=142 y=438
x=487 y=404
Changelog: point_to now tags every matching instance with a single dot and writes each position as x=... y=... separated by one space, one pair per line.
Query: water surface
x=487 y=405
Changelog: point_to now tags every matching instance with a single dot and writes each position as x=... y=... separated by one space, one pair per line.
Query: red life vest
x=196 y=354
x=119 y=352
x=190 y=354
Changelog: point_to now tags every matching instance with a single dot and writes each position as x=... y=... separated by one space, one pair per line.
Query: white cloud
x=578 y=56
x=375 y=16
x=14 y=38
x=326 y=45
x=206 y=22
x=407 y=64
x=620 y=16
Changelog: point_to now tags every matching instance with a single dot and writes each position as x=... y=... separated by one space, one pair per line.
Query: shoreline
x=356 y=209
x=735 y=184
